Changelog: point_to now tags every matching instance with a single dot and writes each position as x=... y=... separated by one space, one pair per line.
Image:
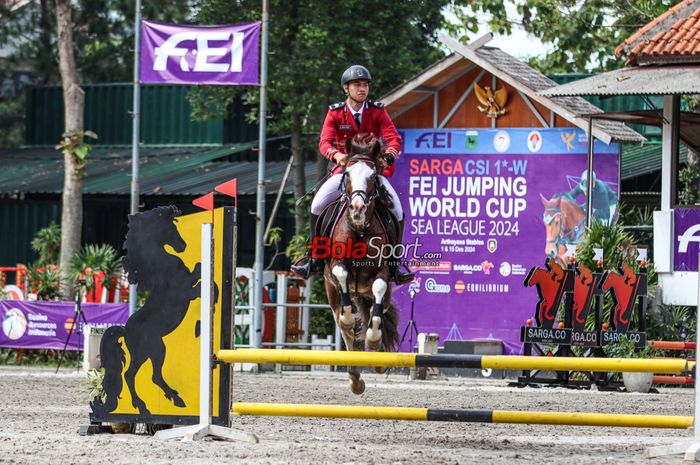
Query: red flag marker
x=229 y=188
x=205 y=202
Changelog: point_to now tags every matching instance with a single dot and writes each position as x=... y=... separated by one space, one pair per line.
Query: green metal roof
x=162 y=171
x=617 y=103
x=195 y=170
x=639 y=159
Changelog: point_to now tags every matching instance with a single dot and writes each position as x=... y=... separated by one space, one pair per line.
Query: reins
x=366 y=199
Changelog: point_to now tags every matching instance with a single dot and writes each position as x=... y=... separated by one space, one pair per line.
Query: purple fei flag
x=214 y=55
x=45 y=325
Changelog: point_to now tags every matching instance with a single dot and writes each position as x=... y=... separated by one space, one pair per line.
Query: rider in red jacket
x=355 y=115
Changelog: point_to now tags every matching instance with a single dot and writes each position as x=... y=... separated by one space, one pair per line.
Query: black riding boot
x=308 y=265
x=399 y=276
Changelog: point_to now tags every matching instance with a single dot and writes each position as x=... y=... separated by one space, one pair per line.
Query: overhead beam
x=410 y=105
x=425 y=89
x=534 y=110
x=419 y=79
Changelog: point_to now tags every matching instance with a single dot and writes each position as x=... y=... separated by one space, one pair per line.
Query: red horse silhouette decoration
x=550 y=287
x=584 y=286
x=624 y=289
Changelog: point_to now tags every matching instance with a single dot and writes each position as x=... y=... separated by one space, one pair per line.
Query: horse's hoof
x=143 y=411
x=177 y=400
x=373 y=338
x=374 y=345
x=357 y=387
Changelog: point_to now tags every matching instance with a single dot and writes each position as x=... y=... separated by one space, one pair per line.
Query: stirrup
x=302 y=269
x=403 y=278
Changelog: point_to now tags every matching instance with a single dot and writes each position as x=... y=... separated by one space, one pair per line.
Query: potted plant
x=625 y=348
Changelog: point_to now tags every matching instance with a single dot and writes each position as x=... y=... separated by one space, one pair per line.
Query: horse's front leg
x=374 y=328
x=345 y=319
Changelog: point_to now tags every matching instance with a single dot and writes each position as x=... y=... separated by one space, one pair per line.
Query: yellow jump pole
x=503 y=362
x=459 y=415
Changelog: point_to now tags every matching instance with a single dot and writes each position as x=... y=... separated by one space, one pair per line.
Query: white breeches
x=330 y=190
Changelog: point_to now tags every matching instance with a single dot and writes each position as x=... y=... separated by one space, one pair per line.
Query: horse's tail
x=113 y=360
x=390 y=331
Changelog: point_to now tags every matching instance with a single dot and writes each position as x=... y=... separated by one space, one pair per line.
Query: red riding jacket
x=340 y=125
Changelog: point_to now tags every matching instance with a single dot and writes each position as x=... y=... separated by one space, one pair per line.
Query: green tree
x=103 y=36
x=310 y=45
x=584 y=33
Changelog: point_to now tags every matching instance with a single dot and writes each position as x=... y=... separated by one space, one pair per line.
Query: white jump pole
x=691 y=448
x=205 y=427
x=693 y=452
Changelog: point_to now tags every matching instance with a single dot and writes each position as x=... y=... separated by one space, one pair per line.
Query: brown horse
x=565 y=223
x=359 y=288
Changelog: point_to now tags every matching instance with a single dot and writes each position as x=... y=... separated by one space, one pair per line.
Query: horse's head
x=148 y=233
x=573 y=217
x=361 y=178
x=552 y=220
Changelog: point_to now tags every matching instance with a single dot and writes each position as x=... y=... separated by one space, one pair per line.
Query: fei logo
x=434 y=140
x=687 y=237
x=224 y=43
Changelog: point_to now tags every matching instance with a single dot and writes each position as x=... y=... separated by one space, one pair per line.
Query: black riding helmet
x=354 y=73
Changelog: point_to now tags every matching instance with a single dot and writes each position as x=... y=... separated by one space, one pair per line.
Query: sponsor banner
x=560 y=336
x=686 y=233
x=613 y=337
x=215 y=55
x=45 y=325
x=476 y=198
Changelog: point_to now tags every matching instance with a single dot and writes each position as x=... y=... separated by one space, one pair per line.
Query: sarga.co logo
x=432 y=286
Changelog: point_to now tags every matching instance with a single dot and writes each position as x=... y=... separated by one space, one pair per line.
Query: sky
x=519 y=43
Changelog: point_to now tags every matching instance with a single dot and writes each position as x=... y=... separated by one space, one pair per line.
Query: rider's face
x=357 y=90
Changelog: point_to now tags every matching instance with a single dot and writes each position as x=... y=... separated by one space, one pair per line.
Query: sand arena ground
x=40 y=413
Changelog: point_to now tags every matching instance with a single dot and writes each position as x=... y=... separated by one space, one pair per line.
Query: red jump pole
x=673 y=345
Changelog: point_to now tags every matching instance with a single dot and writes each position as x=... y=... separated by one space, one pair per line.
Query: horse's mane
x=362 y=143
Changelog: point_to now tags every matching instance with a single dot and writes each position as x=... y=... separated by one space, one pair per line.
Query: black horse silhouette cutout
x=171 y=287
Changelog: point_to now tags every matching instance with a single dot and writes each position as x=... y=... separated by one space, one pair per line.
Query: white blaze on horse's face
x=359 y=173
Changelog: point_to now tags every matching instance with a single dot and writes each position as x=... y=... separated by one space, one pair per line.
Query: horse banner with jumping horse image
x=152 y=363
x=492 y=204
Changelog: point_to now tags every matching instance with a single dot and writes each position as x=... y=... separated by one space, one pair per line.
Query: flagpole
x=136 y=115
x=256 y=338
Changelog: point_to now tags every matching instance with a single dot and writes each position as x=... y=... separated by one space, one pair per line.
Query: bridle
x=366 y=199
x=562 y=237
